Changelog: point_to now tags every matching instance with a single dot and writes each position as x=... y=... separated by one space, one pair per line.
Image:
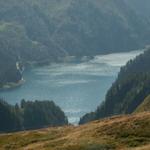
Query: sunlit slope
x=145 y=106
x=120 y=132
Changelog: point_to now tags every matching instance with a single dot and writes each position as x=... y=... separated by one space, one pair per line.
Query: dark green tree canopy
x=30 y=115
x=128 y=91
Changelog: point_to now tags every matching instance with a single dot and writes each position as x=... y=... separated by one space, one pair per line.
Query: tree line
x=127 y=92
x=30 y=115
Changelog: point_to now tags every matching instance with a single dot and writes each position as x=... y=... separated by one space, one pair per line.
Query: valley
x=46 y=31
x=77 y=87
x=74 y=75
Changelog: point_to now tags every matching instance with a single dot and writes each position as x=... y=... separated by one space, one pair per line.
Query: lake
x=77 y=88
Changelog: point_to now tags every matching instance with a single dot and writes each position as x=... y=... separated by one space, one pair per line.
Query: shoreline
x=69 y=59
x=12 y=85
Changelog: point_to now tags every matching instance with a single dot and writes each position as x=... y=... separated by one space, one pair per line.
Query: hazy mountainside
x=8 y=70
x=15 y=46
x=43 y=30
x=78 y=27
x=30 y=115
x=117 y=133
x=145 y=106
x=141 y=7
x=127 y=92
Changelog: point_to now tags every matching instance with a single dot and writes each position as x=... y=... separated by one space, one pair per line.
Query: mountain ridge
x=46 y=31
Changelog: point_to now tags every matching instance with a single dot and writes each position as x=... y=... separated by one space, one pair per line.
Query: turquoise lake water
x=77 y=88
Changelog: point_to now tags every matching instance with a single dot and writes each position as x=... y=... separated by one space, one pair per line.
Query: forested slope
x=44 y=31
x=30 y=115
x=78 y=27
x=128 y=91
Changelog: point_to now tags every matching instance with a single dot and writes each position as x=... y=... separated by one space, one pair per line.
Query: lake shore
x=12 y=85
x=70 y=84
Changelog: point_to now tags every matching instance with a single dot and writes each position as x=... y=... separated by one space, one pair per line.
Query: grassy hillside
x=120 y=132
x=145 y=106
